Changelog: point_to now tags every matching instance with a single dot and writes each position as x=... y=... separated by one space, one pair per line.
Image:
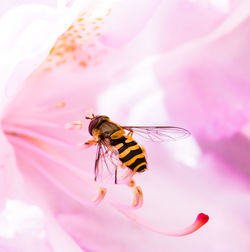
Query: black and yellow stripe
x=130 y=153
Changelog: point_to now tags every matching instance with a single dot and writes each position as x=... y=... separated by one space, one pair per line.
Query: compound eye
x=92 y=124
x=103 y=117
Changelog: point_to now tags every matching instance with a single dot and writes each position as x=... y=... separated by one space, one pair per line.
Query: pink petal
x=29 y=31
x=22 y=223
x=207 y=85
x=163 y=24
x=126 y=20
x=5 y=6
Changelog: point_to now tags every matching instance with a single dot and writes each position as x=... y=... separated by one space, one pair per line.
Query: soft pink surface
x=183 y=63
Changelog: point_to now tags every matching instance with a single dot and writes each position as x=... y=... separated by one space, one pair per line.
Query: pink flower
x=138 y=66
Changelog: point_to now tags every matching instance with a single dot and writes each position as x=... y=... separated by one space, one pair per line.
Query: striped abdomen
x=130 y=153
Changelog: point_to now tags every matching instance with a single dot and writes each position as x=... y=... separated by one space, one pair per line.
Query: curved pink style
x=201 y=220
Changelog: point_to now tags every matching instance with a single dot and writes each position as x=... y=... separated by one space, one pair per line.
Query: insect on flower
x=116 y=143
x=117 y=148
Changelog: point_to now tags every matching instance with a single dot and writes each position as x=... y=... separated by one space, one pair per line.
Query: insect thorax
x=107 y=129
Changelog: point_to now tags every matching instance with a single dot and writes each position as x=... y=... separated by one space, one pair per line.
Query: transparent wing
x=158 y=133
x=106 y=163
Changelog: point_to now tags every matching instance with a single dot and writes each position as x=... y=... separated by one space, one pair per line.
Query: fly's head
x=95 y=121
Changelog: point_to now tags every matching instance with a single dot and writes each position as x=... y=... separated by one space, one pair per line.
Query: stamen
x=41 y=108
x=29 y=133
x=127 y=178
x=57 y=182
x=56 y=159
x=100 y=196
x=128 y=174
x=131 y=183
x=75 y=125
x=137 y=201
x=39 y=123
x=52 y=110
x=138 y=197
x=201 y=220
x=83 y=145
x=59 y=105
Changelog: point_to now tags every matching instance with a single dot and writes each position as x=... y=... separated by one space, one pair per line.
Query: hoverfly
x=115 y=140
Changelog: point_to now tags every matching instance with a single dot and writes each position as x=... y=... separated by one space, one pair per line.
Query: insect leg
x=91 y=142
x=131 y=132
x=144 y=150
x=123 y=166
x=111 y=159
x=98 y=155
x=127 y=177
x=100 y=196
x=116 y=175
